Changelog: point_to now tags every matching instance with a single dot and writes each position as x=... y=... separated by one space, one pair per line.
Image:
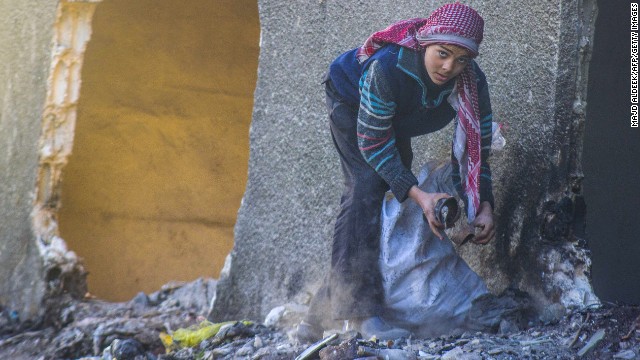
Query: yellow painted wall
x=160 y=153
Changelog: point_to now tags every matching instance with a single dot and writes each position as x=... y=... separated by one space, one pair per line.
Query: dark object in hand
x=447 y=211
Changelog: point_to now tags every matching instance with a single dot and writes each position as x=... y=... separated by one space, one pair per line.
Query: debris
x=314 y=349
x=507 y=327
x=274 y=316
x=387 y=354
x=110 y=330
x=488 y=311
x=262 y=353
x=98 y=323
x=194 y=296
x=236 y=330
x=141 y=300
x=345 y=350
x=453 y=354
x=541 y=340
x=626 y=354
x=425 y=356
x=194 y=335
x=286 y=316
x=126 y=349
x=552 y=313
x=575 y=338
x=635 y=326
x=245 y=350
x=595 y=339
x=222 y=351
x=257 y=342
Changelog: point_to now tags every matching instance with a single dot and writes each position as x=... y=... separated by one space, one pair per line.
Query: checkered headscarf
x=459 y=25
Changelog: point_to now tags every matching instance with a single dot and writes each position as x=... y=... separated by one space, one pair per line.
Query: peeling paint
x=71 y=34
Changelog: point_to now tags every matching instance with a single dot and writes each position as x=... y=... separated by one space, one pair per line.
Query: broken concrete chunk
x=626 y=354
x=346 y=350
x=126 y=349
x=453 y=354
x=593 y=341
x=246 y=350
x=195 y=296
x=286 y=316
x=257 y=342
x=221 y=351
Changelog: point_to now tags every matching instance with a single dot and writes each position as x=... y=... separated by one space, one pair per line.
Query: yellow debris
x=193 y=335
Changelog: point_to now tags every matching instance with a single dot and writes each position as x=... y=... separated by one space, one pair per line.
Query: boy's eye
x=463 y=60
x=442 y=53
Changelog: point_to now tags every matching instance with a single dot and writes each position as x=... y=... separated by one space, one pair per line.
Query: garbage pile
x=171 y=324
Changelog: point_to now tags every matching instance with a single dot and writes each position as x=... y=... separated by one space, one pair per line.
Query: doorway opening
x=160 y=154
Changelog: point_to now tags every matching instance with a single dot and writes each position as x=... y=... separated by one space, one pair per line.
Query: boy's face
x=445 y=62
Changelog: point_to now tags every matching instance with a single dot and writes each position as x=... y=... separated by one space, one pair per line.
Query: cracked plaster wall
x=535 y=56
x=42 y=48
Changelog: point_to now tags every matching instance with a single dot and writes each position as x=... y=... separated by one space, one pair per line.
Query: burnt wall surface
x=611 y=150
x=535 y=57
x=25 y=54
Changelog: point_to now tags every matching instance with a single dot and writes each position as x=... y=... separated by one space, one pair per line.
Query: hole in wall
x=159 y=163
x=610 y=158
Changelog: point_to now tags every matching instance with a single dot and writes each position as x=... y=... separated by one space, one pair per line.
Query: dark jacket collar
x=412 y=63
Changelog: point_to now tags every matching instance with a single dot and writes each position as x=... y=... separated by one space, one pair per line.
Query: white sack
x=428 y=287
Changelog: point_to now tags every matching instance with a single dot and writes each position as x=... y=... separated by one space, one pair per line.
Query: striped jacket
x=396 y=99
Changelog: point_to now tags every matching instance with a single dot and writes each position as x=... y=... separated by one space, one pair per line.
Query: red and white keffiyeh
x=459 y=25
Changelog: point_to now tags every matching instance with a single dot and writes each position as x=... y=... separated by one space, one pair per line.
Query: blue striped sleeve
x=376 y=138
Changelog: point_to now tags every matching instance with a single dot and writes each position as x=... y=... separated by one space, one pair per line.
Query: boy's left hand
x=484 y=221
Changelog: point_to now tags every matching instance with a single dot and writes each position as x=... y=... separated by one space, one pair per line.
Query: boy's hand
x=484 y=221
x=427 y=202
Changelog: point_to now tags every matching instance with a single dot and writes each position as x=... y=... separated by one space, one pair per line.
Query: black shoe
x=308 y=333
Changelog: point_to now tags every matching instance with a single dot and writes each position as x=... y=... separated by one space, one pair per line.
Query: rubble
x=98 y=330
x=593 y=341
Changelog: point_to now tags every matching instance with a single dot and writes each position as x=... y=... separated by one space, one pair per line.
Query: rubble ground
x=95 y=330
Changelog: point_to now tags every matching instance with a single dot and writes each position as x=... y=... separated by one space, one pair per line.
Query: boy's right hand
x=427 y=202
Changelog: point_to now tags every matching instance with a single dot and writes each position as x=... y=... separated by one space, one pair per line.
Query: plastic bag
x=497 y=139
x=428 y=287
x=193 y=335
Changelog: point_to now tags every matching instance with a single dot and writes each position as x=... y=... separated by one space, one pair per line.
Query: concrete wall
x=535 y=58
x=25 y=56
